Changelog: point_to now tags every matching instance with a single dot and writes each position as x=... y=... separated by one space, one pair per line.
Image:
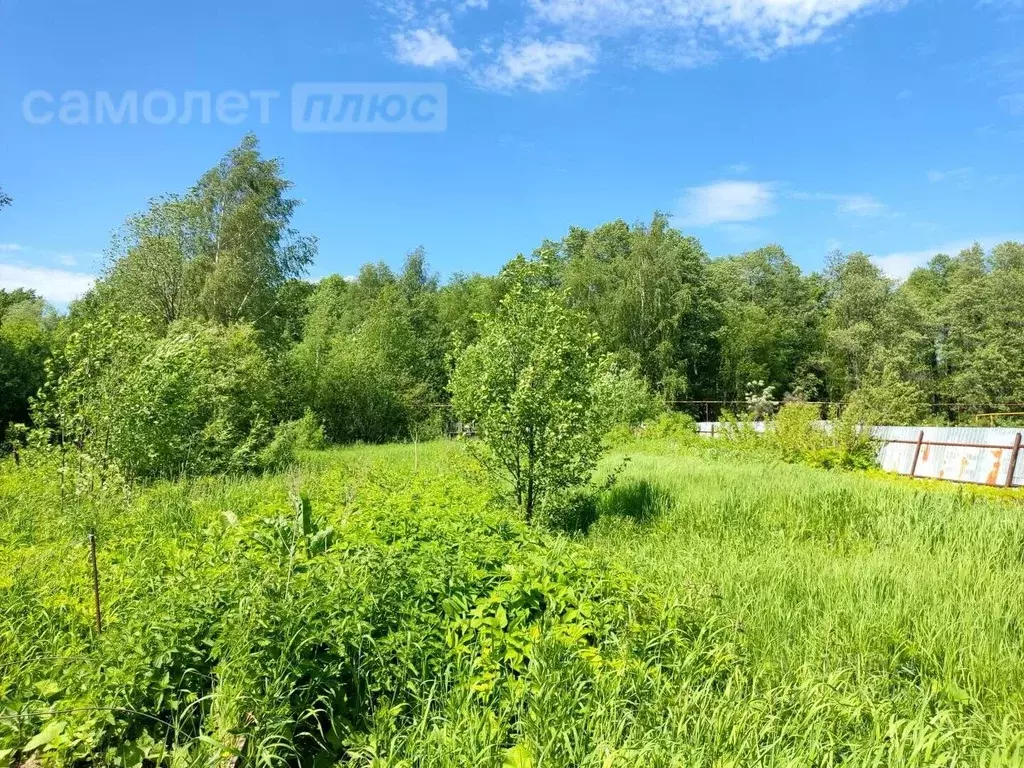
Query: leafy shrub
x=24 y=347
x=305 y=434
x=887 y=398
x=797 y=435
x=528 y=387
x=671 y=425
x=299 y=621
x=371 y=382
x=200 y=399
x=622 y=397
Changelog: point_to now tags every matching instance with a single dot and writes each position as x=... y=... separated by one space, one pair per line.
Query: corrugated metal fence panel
x=974 y=455
x=978 y=454
x=899 y=456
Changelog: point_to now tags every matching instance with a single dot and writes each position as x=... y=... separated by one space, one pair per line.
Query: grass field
x=379 y=606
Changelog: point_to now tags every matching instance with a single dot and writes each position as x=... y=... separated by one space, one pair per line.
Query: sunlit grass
x=721 y=612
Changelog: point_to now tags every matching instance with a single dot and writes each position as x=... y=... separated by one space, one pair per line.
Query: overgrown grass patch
x=379 y=606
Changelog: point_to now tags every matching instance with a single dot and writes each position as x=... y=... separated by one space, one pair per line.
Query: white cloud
x=956 y=174
x=859 y=205
x=726 y=201
x=758 y=27
x=536 y=65
x=856 y=205
x=56 y=285
x=738 y=168
x=424 y=48
x=505 y=51
x=900 y=264
x=9 y=247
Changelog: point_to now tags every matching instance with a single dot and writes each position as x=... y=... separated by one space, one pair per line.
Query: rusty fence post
x=95 y=582
x=917 y=453
x=1013 y=461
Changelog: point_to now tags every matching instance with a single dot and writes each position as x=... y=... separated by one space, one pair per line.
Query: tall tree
x=645 y=288
x=770 y=318
x=856 y=295
x=220 y=252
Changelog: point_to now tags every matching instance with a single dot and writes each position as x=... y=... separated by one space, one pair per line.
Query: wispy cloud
x=738 y=168
x=726 y=202
x=759 y=27
x=955 y=174
x=56 y=285
x=9 y=247
x=900 y=264
x=661 y=34
x=860 y=205
x=852 y=204
x=536 y=65
x=425 y=48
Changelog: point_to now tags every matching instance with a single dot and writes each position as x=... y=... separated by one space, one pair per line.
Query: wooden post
x=95 y=582
x=917 y=453
x=1013 y=461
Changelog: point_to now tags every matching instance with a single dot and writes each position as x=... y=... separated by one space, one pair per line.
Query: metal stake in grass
x=95 y=582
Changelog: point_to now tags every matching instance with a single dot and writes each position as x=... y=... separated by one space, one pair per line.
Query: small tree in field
x=528 y=384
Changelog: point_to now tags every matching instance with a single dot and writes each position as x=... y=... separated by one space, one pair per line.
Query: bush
x=200 y=399
x=671 y=426
x=305 y=434
x=797 y=435
x=622 y=397
x=528 y=386
x=886 y=398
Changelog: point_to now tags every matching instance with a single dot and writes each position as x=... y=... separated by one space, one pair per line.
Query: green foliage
x=671 y=425
x=291 y=437
x=570 y=510
x=26 y=327
x=886 y=398
x=528 y=385
x=359 y=611
x=797 y=435
x=200 y=399
x=371 y=361
x=770 y=318
x=622 y=397
x=645 y=289
x=221 y=252
x=303 y=620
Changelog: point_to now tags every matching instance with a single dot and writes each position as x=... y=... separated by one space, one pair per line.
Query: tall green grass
x=380 y=606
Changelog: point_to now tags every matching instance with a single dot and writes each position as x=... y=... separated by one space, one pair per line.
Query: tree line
x=202 y=336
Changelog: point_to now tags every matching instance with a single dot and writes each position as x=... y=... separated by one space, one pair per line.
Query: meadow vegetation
x=384 y=606
x=578 y=580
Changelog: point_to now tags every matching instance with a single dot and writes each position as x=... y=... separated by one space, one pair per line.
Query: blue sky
x=892 y=127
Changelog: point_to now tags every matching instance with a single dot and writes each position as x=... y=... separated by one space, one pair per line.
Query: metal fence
x=966 y=414
x=980 y=455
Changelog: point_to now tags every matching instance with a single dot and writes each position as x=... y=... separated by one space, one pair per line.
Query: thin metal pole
x=917 y=453
x=95 y=582
x=1013 y=461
